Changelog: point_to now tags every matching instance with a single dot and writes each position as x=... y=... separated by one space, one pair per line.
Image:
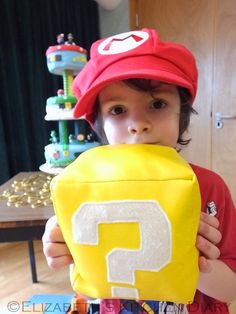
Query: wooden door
x=224 y=93
x=208 y=29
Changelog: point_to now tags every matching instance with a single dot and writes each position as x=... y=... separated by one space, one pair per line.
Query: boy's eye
x=158 y=104
x=117 y=110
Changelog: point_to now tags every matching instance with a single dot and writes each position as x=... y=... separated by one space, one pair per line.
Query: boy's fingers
x=204 y=265
x=53 y=235
x=58 y=262
x=208 y=229
x=207 y=248
x=55 y=250
x=210 y=220
x=52 y=231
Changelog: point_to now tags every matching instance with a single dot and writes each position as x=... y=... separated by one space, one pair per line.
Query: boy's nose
x=139 y=126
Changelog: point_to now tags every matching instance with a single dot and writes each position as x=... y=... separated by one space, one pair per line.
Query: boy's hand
x=54 y=247
x=207 y=238
x=57 y=253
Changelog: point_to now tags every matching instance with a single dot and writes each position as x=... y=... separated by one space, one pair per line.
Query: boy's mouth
x=143 y=142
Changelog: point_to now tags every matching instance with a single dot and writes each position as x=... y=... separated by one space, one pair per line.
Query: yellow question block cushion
x=129 y=215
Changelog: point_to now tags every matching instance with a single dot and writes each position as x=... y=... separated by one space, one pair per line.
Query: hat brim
x=136 y=67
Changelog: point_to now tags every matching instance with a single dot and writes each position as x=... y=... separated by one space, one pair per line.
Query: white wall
x=114 y=21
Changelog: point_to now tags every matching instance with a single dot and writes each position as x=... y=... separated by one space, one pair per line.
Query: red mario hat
x=134 y=54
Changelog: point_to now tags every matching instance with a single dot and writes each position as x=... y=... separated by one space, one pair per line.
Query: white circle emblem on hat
x=122 y=42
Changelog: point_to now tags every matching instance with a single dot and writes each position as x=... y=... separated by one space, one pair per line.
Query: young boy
x=139 y=89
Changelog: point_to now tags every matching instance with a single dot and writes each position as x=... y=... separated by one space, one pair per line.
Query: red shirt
x=214 y=189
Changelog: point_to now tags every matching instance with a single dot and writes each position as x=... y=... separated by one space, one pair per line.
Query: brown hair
x=145 y=85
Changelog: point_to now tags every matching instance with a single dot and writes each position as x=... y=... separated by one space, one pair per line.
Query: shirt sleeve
x=215 y=191
x=227 y=217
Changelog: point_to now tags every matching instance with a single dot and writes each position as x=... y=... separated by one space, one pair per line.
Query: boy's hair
x=145 y=85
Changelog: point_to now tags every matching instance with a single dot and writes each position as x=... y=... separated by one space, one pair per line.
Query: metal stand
x=32 y=261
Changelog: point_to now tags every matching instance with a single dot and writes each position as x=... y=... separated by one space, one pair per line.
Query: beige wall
x=114 y=21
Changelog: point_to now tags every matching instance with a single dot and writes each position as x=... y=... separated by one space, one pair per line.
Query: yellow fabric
x=143 y=174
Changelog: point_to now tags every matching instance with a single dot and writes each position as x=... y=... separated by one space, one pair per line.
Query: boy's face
x=132 y=116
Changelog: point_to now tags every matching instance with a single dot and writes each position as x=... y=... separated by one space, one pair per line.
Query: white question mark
x=155 y=239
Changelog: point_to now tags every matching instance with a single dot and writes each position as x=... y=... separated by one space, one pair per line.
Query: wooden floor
x=15 y=276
